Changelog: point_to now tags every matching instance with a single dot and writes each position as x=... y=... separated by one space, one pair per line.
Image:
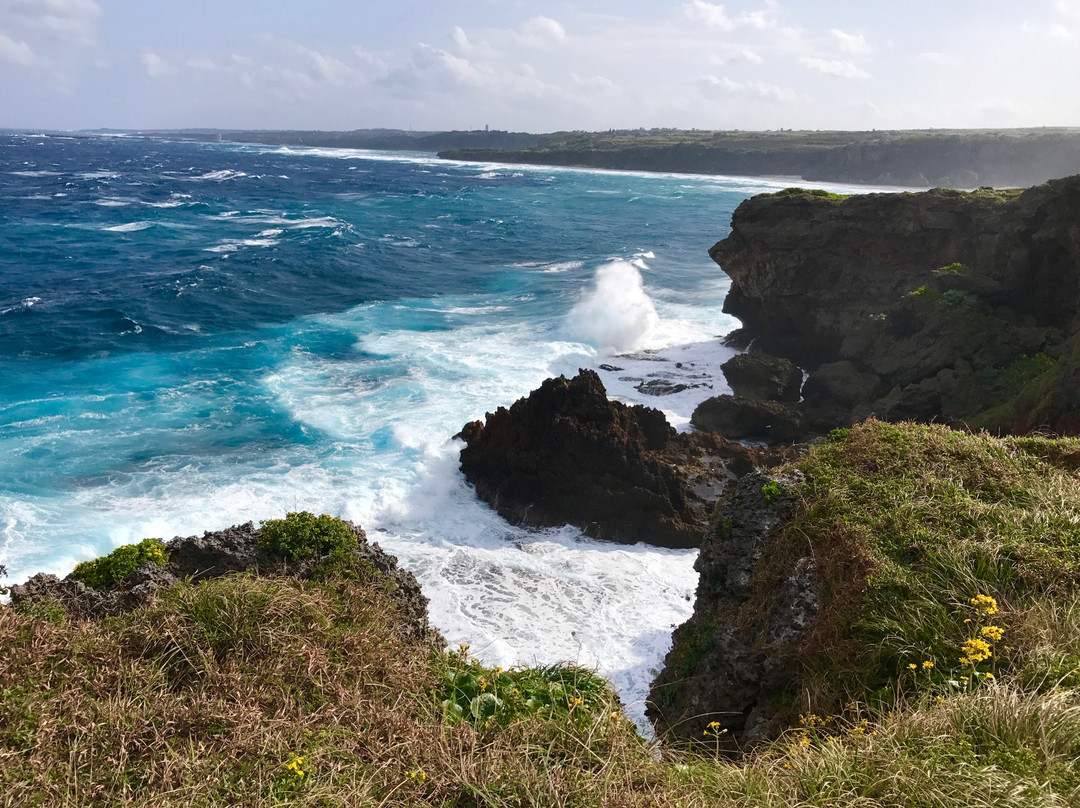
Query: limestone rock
x=568 y=455
x=759 y=376
x=932 y=306
x=742 y=419
x=734 y=660
x=213 y=555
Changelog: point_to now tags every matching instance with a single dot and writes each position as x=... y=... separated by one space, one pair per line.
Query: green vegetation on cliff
x=933 y=542
x=953 y=553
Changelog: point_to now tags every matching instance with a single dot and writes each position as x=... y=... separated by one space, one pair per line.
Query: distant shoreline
x=948 y=158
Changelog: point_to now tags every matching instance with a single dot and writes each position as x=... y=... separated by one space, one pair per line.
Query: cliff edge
x=943 y=305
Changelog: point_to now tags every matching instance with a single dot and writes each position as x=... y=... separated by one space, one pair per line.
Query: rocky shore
x=857 y=554
x=948 y=306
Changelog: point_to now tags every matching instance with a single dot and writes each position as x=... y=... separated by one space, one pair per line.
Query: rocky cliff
x=568 y=455
x=214 y=555
x=963 y=307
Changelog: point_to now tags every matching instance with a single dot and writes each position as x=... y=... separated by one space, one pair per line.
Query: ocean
x=194 y=335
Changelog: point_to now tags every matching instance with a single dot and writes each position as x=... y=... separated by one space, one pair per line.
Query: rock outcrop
x=932 y=306
x=212 y=555
x=568 y=455
x=733 y=662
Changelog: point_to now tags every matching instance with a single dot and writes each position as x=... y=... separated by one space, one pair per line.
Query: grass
x=912 y=526
x=267 y=691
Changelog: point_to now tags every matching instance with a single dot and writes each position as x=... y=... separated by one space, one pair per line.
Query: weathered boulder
x=744 y=419
x=733 y=661
x=759 y=376
x=940 y=305
x=568 y=455
x=212 y=555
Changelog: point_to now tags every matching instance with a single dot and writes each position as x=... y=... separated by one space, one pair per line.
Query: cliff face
x=932 y=305
x=568 y=455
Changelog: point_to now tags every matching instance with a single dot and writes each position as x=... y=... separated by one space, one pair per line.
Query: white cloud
x=542 y=32
x=711 y=86
x=716 y=16
x=1054 y=30
x=73 y=21
x=461 y=39
x=850 y=43
x=743 y=56
x=17 y=53
x=834 y=67
x=710 y=14
x=1070 y=8
x=156 y=67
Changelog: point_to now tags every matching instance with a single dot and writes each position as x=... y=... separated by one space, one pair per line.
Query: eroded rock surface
x=568 y=455
x=733 y=662
x=940 y=305
x=212 y=555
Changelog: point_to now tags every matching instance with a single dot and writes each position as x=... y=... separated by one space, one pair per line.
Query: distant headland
x=944 y=158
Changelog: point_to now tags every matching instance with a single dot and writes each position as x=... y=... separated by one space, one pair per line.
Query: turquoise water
x=195 y=335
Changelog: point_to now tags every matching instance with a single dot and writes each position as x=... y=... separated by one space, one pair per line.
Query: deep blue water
x=193 y=335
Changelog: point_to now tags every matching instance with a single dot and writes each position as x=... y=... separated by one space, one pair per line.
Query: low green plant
x=926 y=293
x=818 y=192
x=303 y=535
x=955 y=268
x=493 y=697
x=959 y=300
x=120 y=563
x=1011 y=380
x=770 y=491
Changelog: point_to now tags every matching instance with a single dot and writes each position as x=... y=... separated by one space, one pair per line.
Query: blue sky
x=539 y=65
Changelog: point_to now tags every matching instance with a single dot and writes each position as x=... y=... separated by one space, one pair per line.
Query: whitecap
x=219 y=176
x=232 y=245
x=130 y=227
x=26 y=303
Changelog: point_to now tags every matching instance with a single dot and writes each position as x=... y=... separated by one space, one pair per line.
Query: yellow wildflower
x=976 y=650
x=928 y=665
x=912 y=666
x=985 y=604
x=994 y=633
x=295 y=766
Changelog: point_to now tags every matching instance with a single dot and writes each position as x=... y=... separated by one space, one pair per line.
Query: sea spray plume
x=616 y=314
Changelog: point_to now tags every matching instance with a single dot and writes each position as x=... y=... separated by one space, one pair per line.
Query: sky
x=539 y=65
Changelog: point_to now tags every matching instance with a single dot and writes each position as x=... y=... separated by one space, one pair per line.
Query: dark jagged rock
x=759 y=376
x=732 y=662
x=212 y=555
x=568 y=455
x=744 y=419
x=934 y=306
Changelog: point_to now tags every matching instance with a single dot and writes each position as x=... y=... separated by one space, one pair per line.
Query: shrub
x=492 y=697
x=303 y=535
x=120 y=563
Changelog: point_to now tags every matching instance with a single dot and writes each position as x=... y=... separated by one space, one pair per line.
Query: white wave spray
x=616 y=314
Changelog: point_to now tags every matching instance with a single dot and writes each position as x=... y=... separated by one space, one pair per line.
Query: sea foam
x=615 y=314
